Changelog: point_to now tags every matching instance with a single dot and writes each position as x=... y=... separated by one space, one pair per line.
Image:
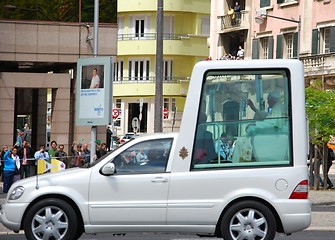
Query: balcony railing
x=149 y=36
x=320 y=64
x=235 y=20
x=149 y=79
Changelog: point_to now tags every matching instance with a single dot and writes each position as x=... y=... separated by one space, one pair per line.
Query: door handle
x=159 y=180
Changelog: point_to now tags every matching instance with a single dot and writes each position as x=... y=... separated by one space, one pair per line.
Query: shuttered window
x=279 y=49
x=255 y=48
x=315 y=41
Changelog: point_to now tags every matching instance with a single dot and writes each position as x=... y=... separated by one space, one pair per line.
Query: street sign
x=115 y=113
x=165 y=112
x=135 y=123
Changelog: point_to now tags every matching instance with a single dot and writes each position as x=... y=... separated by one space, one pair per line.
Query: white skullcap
x=275 y=95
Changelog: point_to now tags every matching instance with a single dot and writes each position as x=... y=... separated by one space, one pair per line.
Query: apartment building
x=186 y=30
x=270 y=29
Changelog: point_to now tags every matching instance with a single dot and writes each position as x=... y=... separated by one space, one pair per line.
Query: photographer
x=42 y=154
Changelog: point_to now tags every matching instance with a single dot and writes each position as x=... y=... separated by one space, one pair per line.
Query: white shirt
x=95 y=80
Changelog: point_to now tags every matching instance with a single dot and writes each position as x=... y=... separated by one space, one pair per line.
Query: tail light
x=300 y=191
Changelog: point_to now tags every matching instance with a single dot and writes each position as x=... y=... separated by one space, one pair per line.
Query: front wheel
x=248 y=220
x=51 y=219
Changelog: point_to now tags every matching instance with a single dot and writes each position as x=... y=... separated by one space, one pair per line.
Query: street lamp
x=38 y=9
x=260 y=20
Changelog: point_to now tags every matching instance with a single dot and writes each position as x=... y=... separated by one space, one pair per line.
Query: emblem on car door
x=183 y=153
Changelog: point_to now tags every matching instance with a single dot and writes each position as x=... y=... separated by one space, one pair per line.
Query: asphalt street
x=322 y=227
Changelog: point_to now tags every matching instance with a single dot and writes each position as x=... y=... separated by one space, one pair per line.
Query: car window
x=145 y=157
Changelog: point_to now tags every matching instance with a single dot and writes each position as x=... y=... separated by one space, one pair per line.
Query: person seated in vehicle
x=156 y=155
x=204 y=144
x=221 y=146
x=273 y=121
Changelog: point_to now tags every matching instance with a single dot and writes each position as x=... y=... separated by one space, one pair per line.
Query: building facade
x=37 y=75
x=186 y=29
x=271 y=37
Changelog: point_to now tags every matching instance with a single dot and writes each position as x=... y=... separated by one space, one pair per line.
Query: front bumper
x=11 y=215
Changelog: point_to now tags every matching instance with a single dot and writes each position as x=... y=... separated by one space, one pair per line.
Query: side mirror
x=108 y=169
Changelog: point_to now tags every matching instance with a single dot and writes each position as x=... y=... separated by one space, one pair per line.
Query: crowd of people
x=238 y=56
x=20 y=161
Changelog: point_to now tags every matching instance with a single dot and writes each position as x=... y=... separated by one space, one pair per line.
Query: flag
x=54 y=166
x=43 y=166
x=57 y=165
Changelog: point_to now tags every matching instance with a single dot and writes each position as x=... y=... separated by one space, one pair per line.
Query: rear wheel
x=248 y=220
x=52 y=219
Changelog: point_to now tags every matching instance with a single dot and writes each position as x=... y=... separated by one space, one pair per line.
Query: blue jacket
x=9 y=162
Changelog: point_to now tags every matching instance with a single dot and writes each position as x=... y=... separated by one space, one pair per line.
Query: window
x=117 y=122
x=244 y=120
x=139 y=70
x=289 y=45
x=170 y=105
x=168 y=27
x=145 y=157
x=205 y=25
x=167 y=71
x=118 y=71
x=326 y=40
x=265 y=48
x=264 y=3
x=139 y=26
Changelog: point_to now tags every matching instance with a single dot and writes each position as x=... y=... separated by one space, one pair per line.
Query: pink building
x=275 y=37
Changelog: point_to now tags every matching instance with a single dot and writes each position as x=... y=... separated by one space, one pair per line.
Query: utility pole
x=95 y=54
x=158 y=121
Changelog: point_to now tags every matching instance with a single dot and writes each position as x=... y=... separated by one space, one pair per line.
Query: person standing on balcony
x=231 y=14
x=237 y=8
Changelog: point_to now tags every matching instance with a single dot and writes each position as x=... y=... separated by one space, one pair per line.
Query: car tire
x=51 y=219
x=248 y=220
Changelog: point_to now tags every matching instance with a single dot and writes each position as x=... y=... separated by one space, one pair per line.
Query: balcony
x=316 y=66
x=145 y=86
x=148 y=36
x=174 y=44
x=239 y=21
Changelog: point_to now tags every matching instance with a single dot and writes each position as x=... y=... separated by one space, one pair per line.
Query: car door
x=137 y=192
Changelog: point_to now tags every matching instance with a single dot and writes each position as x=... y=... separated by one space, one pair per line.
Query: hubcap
x=50 y=223
x=248 y=224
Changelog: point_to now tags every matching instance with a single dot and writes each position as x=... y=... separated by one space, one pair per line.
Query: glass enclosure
x=244 y=119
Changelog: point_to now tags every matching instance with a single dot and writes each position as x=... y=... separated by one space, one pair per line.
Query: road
x=306 y=235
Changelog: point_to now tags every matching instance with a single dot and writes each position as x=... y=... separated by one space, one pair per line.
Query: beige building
x=37 y=58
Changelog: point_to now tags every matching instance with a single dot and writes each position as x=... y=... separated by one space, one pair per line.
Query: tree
x=58 y=10
x=320 y=111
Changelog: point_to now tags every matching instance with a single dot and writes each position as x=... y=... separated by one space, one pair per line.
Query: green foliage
x=320 y=110
x=58 y=10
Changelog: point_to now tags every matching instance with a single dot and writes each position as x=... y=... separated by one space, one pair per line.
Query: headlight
x=16 y=193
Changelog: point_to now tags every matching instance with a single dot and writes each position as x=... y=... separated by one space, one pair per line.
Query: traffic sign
x=165 y=112
x=115 y=113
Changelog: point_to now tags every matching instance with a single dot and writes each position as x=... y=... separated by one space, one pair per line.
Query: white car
x=188 y=181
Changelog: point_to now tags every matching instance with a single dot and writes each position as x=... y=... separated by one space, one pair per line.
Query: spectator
x=78 y=155
x=109 y=138
x=26 y=154
x=102 y=150
x=11 y=166
x=240 y=53
x=53 y=150
x=61 y=155
x=87 y=153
